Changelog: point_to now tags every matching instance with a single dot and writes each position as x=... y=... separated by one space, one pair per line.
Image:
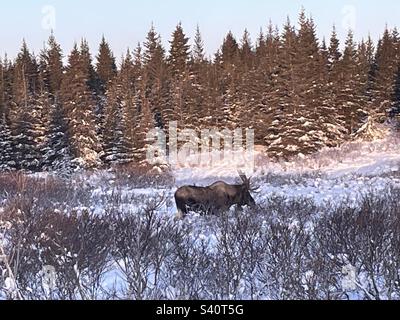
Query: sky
x=124 y=23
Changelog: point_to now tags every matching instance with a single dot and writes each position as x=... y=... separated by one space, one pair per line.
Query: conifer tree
x=395 y=110
x=79 y=106
x=57 y=154
x=25 y=112
x=6 y=137
x=53 y=67
x=384 y=74
x=120 y=116
x=179 y=52
x=246 y=51
x=230 y=50
x=155 y=77
x=6 y=145
x=197 y=53
x=106 y=67
x=299 y=94
x=92 y=80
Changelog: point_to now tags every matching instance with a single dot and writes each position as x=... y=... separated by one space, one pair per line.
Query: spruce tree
x=26 y=112
x=53 y=67
x=283 y=83
x=57 y=155
x=155 y=76
x=179 y=52
x=197 y=53
x=92 y=80
x=395 y=109
x=7 y=162
x=120 y=115
x=199 y=72
x=106 y=67
x=230 y=50
x=384 y=74
x=79 y=105
x=246 y=51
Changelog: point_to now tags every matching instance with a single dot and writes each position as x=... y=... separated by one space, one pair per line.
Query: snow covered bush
x=286 y=248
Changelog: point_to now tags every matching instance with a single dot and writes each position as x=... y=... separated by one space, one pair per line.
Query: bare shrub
x=238 y=249
x=283 y=249
x=48 y=192
x=283 y=262
x=143 y=176
x=139 y=251
x=75 y=245
x=188 y=266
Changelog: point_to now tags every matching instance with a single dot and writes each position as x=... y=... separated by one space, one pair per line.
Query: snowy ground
x=330 y=177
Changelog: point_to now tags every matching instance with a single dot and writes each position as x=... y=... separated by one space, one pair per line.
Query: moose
x=215 y=198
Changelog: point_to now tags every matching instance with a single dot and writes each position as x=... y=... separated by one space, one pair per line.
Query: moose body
x=213 y=199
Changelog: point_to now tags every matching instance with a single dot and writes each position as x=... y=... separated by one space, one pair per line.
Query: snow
x=330 y=176
x=335 y=174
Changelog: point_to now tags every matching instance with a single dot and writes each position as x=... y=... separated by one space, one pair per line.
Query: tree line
x=298 y=93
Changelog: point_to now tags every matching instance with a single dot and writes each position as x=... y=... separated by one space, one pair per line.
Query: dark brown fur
x=213 y=199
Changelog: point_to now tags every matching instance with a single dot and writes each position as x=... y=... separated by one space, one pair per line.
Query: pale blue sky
x=125 y=22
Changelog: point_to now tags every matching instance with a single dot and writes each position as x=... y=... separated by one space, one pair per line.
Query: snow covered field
x=292 y=247
x=334 y=174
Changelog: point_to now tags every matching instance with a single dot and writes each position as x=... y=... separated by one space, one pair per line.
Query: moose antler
x=243 y=176
x=252 y=188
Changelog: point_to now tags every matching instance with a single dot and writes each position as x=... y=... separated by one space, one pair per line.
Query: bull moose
x=215 y=198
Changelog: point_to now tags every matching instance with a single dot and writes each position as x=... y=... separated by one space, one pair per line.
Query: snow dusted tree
x=198 y=93
x=106 y=71
x=178 y=57
x=180 y=84
x=55 y=146
x=333 y=125
x=146 y=123
x=364 y=65
x=311 y=74
x=87 y=65
x=246 y=52
x=197 y=53
x=135 y=76
x=155 y=77
x=250 y=85
x=6 y=137
x=265 y=81
x=57 y=155
x=297 y=126
x=106 y=67
x=230 y=51
x=395 y=110
x=6 y=145
x=283 y=84
x=5 y=87
x=348 y=99
x=228 y=84
x=384 y=73
x=352 y=86
x=114 y=121
x=53 y=67
x=120 y=114
x=79 y=105
x=297 y=93
x=26 y=112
